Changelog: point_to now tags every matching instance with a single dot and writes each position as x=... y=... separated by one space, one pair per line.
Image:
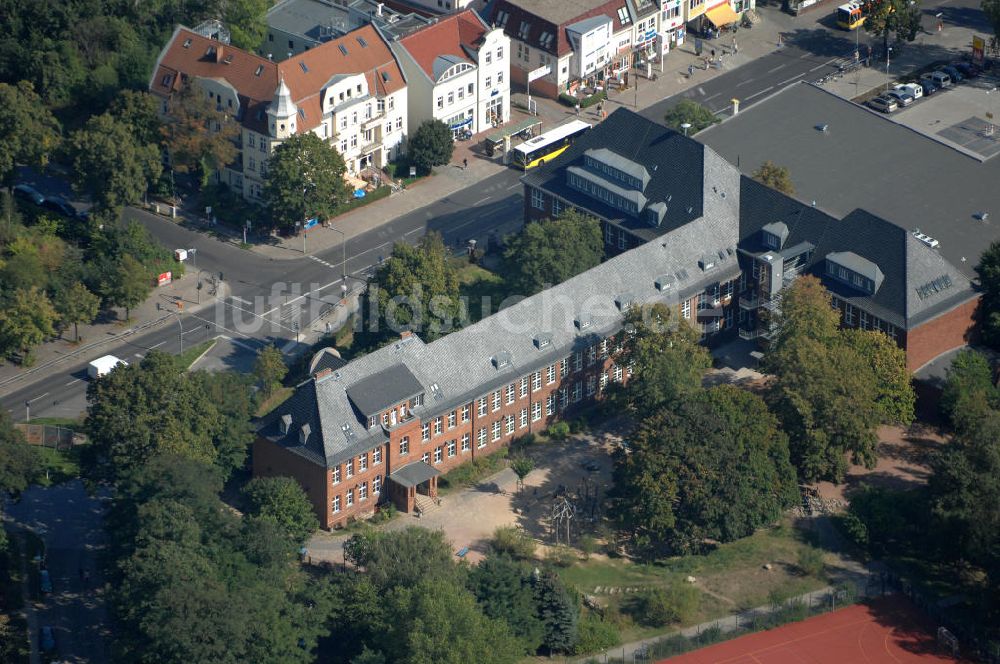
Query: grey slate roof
x=920 y=182
x=413 y=474
x=856 y=263
x=675 y=164
x=384 y=388
x=588 y=24
x=460 y=366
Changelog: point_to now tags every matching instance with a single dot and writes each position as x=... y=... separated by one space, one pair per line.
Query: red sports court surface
x=886 y=631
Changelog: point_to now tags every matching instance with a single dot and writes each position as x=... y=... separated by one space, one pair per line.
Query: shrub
x=578 y=425
x=662 y=606
x=586 y=102
x=560 y=555
x=596 y=635
x=514 y=542
x=588 y=545
x=810 y=561
x=558 y=431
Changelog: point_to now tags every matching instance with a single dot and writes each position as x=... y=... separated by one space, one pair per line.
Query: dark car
x=60 y=205
x=46 y=639
x=929 y=87
x=591 y=466
x=956 y=75
x=28 y=193
x=968 y=70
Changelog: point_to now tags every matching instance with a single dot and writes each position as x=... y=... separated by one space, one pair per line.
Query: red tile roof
x=539 y=26
x=452 y=35
x=256 y=78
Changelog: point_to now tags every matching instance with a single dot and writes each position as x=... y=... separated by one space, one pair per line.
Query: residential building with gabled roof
x=458 y=72
x=350 y=92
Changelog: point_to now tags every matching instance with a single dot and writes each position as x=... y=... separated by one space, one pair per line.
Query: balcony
x=757 y=302
x=374 y=121
x=756 y=333
x=392 y=423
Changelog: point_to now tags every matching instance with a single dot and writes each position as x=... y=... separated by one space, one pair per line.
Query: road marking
x=320 y=261
x=757 y=94
x=411 y=232
x=804 y=56
x=38 y=397
x=749 y=80
x=157 y=345
x=712 y=97
x=771 y=71
x=75 y=380
x=292 y=343
x=789 y=80
x=240 y=299
x=139 y=355
x=480 y=202
x=516 y=185
x=824 y=64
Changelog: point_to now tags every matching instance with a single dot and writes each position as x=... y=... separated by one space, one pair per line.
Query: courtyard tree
x=269 y=369
x=775 y=177
x=504 y=589
x=714 y=467
x=521 y=466
x=689 y=112
x=666 y=359
x=550 y=252
x=893 y=17
x=305 y=180
x=281 y=501
x=559 y=613
x=417 y=288
x=895 y=398
x=431 y=145
x=198 y=136
x=28 y=131
x=76 y=305
x=245 y=20
x=989 y=277
x=139 y=110
x=969 y=388
x=110 y=165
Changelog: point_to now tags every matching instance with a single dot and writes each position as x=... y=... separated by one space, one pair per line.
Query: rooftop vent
x=304 y=433
x=502 y=360
x=187 y=43
x=583 y=321
x=707 y=263
x=664 y=282
x=286 y=423
x=348 y=432
x=822 y=127
x=259 y=70
x=936 y=286
x=543 y=340
x=926 y=239
x=624 y=301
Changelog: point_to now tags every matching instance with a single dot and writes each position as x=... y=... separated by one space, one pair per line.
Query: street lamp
x=343 y=245
x=685 y=126
x=888 y=50
x=989 y=114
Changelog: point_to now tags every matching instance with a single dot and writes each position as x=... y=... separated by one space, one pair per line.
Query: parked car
x=28 y=193
x=45 y=581
x=591 y=466
x=46 y=639
x=956 y=75
x=929 y=87
x=913 y=88
x=59 y=205
x=968 y=70
x=938 y=77
x=883 y=104
x=902 y=97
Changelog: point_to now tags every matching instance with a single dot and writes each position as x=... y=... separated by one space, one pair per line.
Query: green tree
x=550 y=252
x=430 y=145
x=28 y=131
x=232 y=395
x=139 y=110
x=281 y=501
x=666 y=359
x=895 y=398
x=269 y=368
x=558 y=612
x=110 y=165
x=27 y=320
x=19 y=461
x=888 y=17
x=512 y=541
x=991 y=8
x=989 y=278
x=969 y=391
x=245 y=19
x=401 y=558
x=305 y=179
x=714 y=467
x=76 y=305
x=775 y=177
x=199 y=137
x=132 y=284
x=503 y=587
x=662 y=606
x=417 y=288
x=690 y=112
x=521 y=466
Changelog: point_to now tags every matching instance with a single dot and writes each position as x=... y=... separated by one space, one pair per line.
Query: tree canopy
x=28 y=132
x=715 y=467
x=991 y=8
x=305 y=179
x=549 y=252
x=893 y=17
x=269 y=368
x=18 y=460
x=775 y=177
x=430 y=145
x=989 y=277
x=281 y=501
x=690 y=112
x=198 y=136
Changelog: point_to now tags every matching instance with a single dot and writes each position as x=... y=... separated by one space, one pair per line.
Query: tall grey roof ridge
x=933 y=284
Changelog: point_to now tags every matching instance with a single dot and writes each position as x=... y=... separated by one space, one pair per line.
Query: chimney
x=323 y=373
x=406 y=334
x=378 y=9
x=218 y=53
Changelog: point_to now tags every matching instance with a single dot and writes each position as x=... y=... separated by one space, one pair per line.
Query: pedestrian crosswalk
x=322 y=262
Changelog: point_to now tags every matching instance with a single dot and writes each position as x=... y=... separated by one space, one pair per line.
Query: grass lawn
x=731 y=578
x=58 y=466
x=484 y=290
x=279 y=395
x=66 y=422
x=471 y=473
x=187 y=358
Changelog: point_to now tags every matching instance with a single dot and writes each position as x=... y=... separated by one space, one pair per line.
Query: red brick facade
x=948 y=331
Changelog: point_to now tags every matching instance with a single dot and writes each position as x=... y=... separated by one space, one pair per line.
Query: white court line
x=789 y=80
x=38 y=397
x=771 y=71
x=757 y=94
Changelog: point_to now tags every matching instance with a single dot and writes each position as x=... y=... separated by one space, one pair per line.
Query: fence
x=48 y=435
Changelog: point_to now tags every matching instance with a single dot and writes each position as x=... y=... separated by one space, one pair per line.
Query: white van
x=103 y=365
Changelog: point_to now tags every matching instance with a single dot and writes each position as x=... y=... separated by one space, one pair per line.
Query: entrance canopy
x=414 y=474
x=722 y=15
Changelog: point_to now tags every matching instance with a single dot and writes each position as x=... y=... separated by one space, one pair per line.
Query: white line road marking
x=825 y=64
x=749 y=80
x=75 y=380
x=481 y=201
x=771 y=71
x=38 y=397
x=516 y=185
x=292 y=343
x=139 y=355
x=789 y=80
x=701 y=90
x=712 y=97
x=241 y=300
x=757 y=94
x=157 y=345
x=237 y=342
x=415 y=230
x=804 y=56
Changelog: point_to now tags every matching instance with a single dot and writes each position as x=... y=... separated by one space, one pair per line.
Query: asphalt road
x=262 y=299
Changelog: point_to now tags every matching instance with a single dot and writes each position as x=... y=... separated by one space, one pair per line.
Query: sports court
x=887 y=630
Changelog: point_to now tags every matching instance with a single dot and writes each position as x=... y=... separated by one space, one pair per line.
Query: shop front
x=460 y=124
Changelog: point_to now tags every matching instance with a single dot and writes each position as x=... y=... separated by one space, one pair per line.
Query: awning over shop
x=722 y=15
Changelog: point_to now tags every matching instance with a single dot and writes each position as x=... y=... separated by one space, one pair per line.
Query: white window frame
x=404 y=446
x=481 y=438
x=524 y=417
x=466 y=442
x=536 y=411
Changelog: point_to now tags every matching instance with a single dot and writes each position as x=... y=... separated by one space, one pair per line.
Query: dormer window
x=624 y=301
x=372 y=421
x=543 y=340
x=583 y=321
x=285 y=424
x=304 y=433
x=502 y=360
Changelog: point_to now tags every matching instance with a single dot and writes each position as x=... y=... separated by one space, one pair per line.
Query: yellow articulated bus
x=547 y=146
x=850 y=16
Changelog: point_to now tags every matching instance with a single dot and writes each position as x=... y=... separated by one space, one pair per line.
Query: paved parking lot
x=957 y=116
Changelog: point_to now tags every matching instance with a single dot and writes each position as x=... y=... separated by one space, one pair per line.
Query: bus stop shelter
x=499 y=142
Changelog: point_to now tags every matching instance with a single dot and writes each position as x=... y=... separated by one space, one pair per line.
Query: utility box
x=180 y=255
